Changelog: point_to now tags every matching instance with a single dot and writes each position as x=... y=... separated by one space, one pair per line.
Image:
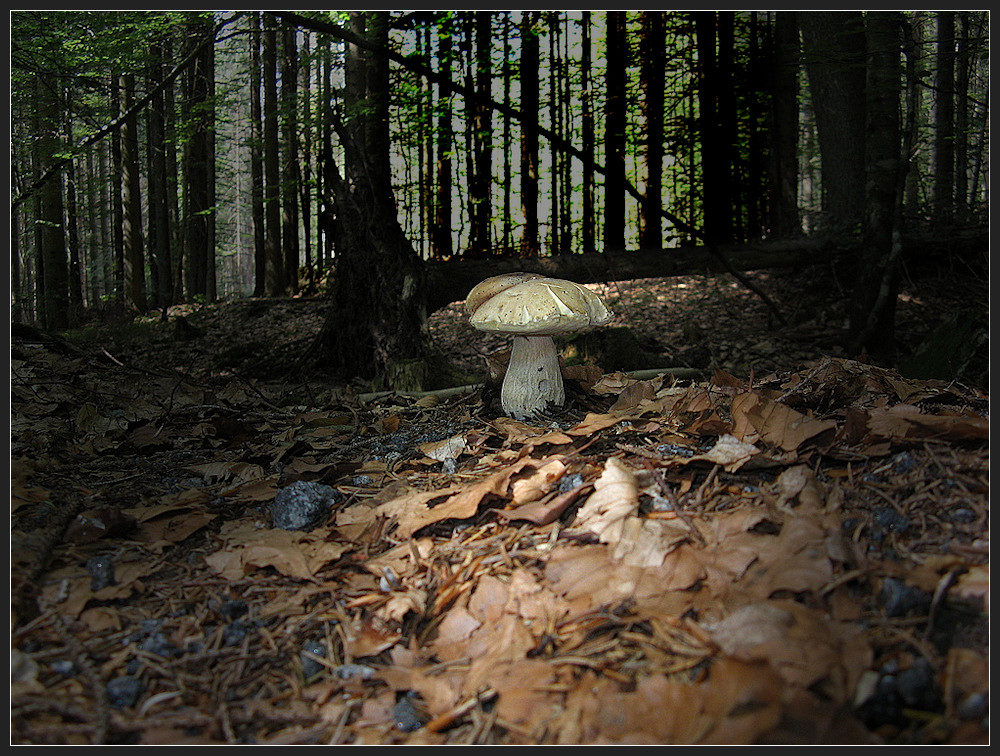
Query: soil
x=806 y=534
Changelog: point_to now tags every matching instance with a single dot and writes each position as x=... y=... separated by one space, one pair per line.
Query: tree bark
x=51 y=235
x=257 y=161
x=159 y=218
x=944 y=118
x=134 y=277
x=290 y=160
x=441 y=237
x=834 y=54
x=275 y=272
x=783 y=127
x=876 y=283
x=199 y=174
x=530 y=62
x=614 y=132
x=374 y=328
x=588 y=229
x=652 y=45
x=482 y=142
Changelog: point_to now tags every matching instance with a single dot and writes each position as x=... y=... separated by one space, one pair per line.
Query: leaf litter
x=801 y=559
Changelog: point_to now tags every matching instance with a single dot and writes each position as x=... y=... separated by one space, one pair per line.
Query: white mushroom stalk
x=533 y=381
x=533 y=308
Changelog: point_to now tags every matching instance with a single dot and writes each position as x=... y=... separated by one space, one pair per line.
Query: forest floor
x=790 y=546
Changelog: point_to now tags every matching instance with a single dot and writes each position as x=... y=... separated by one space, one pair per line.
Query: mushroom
x=533 y=308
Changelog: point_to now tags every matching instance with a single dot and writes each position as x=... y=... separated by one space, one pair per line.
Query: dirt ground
x=789 y=545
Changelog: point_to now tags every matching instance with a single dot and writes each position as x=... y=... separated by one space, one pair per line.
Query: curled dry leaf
x=729 y=452
x=611 y=513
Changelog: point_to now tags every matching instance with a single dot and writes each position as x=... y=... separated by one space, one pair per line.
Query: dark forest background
x=391 y=160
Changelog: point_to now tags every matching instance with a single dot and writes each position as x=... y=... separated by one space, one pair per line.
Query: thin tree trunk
x=159 y=216
x=290 y=160
x=614 y=132
x=589 y=222
x=652 y=45
x=199 y=173
x=257 y=162
x=51 y=236
x=530 y=61
x=944 y=118
x=783 y=127
x=482 y=143
x=75 y=276
x=275 y=273
x=134 y=278
x=441 y=236
x=874 y=300
x=834 y=53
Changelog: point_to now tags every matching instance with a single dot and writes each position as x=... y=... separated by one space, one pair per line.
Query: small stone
x=311 y=667
x=406 y=715
x=102 y=572
x=303 y=505
x=124 y=691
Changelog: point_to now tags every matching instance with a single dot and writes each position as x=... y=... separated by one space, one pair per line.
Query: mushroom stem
x=533 y=379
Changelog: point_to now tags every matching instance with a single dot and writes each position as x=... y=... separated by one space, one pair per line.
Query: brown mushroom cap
x=535 y=306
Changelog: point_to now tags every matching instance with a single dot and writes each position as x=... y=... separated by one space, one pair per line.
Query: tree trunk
x=257 y=162
x=116 y=191
x=159 y=217
x=275 y=273
x=713 y=118
x=199 y=173
x=74 y=272
x=944 y=118
x=874 y=300
x=482 y=142
x=834 y=53
x=783 y=127
x=614 y=132
x=51 y=236
x=374 y=328
x=652 y=45
x=134 y=277
x=441 y=237
x=588 y=229
x=290 y=161
x=530 y=62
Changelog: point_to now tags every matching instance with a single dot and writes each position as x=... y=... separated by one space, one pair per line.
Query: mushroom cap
x=491 y=286
x=535 y=306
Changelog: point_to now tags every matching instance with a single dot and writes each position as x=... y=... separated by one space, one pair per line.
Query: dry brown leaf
x=755 y=416
x=411 y=511
x=611 y=513
x=906 y=421
x=294 y=553
x=735 y=704
x=802 y=644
